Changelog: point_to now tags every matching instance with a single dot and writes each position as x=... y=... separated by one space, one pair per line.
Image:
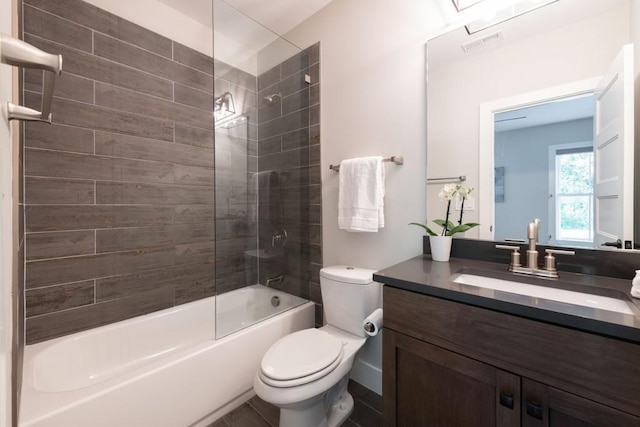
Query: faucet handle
x=515 y=255
x=559 y=252
x=508 y=247
x=550 y=260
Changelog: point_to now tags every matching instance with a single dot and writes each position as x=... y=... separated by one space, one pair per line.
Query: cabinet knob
x=534 y=409
x=506 y=399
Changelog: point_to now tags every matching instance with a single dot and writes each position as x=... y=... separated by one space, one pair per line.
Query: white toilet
x=306 y=373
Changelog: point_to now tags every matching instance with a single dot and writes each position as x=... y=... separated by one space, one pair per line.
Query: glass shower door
x=261 y=171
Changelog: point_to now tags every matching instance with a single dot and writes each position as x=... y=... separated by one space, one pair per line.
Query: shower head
x=273 y=97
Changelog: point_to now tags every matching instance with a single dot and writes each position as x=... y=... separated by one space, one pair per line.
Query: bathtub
x=162 y=369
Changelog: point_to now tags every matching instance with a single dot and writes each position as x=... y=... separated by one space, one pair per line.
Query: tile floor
x=256 y=412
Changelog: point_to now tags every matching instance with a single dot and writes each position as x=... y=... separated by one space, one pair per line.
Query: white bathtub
x=161 y=369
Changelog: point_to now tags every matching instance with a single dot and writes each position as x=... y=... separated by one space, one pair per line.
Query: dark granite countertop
x=427 y=277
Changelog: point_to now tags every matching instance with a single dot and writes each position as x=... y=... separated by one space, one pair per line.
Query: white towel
x=361 y=194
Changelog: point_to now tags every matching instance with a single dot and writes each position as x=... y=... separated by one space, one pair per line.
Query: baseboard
x=367 y=375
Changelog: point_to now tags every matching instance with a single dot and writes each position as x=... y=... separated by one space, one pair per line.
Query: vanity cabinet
x=437 y=387
x=450 y=364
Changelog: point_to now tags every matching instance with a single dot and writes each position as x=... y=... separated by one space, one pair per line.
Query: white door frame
x=487 y=134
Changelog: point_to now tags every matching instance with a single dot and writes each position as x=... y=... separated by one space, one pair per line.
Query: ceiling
x=280 y=16
x=563 y=110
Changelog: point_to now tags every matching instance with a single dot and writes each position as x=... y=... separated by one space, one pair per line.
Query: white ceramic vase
x=440 y=248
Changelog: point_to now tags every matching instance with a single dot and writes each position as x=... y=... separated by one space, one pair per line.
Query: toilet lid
x=301 y=354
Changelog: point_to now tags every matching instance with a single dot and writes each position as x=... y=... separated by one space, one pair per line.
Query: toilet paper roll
x=373 y=323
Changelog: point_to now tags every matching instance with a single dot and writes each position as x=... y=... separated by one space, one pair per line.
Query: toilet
x=306 y=373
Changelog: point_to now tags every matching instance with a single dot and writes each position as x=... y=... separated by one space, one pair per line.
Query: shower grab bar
x=21 y=54
x=398 y=160
x=461 y=178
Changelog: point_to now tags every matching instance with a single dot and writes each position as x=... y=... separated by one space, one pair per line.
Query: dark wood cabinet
x=547 y=406
x=449 y=364
x=436 y=387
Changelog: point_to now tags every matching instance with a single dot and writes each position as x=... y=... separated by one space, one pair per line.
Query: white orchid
x=463 y=192
x=448 y=193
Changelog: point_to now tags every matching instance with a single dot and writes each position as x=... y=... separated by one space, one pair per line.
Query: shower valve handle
x=279 y=237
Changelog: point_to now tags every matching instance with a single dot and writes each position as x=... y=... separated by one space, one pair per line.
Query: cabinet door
x=547 y=406
x=425 y=385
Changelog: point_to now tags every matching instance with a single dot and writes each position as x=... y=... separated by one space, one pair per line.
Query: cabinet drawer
x=598 y=368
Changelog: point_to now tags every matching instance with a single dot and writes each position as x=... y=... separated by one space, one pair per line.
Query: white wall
x=573 y=53
x=372 y=96
x=373 y=103
x=7 y=201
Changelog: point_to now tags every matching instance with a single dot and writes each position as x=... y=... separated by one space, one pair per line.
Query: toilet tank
x=349 y=295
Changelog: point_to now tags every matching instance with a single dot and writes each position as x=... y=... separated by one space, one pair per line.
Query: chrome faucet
x=532 y=268
x=533 y=231
x=279 y=278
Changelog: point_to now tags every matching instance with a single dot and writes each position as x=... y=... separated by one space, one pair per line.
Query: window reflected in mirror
x=571 y=196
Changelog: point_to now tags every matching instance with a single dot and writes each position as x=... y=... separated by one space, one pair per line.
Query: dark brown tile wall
x=235 y=226
x=127 y=208
x=289 y=146
x=119 y=192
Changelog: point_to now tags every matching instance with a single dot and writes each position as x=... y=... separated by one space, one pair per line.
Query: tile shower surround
x=289 y=143
x=118 y=193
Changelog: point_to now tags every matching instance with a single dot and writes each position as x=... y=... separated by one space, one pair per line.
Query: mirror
x=561 y=50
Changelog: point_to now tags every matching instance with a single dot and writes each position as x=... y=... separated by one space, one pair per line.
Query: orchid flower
x=448 y=193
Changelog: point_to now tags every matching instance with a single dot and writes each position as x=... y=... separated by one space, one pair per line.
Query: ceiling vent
x=482 y=42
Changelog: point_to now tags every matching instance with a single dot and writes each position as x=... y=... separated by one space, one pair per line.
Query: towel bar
x=398 y=160
x=460 y=178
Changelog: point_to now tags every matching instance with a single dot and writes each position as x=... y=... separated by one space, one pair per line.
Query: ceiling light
x=516 y=9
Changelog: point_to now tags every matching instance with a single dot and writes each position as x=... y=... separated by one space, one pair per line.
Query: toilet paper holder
x=372 y=324
x=369 y=327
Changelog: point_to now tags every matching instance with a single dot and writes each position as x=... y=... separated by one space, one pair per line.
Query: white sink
x=560 y=295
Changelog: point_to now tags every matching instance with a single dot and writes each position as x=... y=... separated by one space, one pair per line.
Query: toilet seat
x=300 y=358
